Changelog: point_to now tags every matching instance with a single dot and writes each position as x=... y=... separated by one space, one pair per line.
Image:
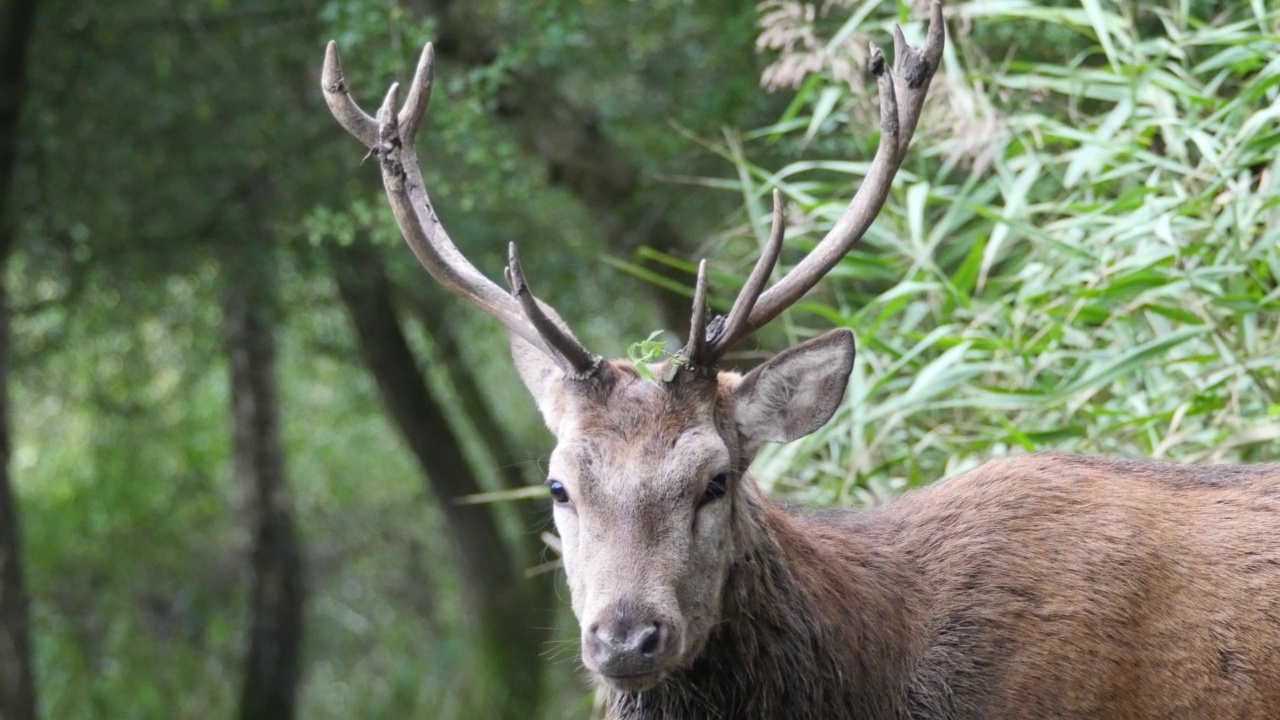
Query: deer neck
x=816 y=620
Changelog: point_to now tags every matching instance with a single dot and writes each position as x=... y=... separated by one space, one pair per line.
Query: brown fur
x=1042 y=586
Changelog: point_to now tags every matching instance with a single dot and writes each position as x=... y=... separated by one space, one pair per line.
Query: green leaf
x=1130 y=360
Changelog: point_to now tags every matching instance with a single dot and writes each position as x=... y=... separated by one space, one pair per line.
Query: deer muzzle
x=630 y=645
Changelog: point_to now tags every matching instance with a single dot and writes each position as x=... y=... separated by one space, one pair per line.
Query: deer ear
x=542 y=375
x=538 y=371
x=794 y=393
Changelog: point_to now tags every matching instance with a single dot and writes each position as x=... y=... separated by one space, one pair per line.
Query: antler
x=390 y=136
x=902 y=93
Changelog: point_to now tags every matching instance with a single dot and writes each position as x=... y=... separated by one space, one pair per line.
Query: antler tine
x=344 y=109
x=902 y=96
x=735 y=326
x=415 y=105
x=391 y=137
x=580 y=362
x=914 y=70
x=696 y=348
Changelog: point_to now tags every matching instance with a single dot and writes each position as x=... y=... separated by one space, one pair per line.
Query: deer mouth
x=633 y=683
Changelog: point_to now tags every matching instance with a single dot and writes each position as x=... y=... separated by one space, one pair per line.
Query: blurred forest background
x=252 y=450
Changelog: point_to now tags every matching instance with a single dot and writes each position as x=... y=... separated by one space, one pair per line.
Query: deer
x=1044 y=585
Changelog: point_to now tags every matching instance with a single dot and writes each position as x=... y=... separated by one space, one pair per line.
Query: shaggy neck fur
x=814 y=626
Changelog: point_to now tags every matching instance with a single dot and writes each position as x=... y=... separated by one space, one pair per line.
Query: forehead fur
x=649 y=436
x=632 y=408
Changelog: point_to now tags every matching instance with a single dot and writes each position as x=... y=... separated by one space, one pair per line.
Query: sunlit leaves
x=1107 y=284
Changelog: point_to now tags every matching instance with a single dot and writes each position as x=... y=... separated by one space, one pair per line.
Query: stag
x=1041 y=586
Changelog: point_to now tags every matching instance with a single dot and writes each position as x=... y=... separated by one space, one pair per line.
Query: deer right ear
x=795 y=393
x=543 y=377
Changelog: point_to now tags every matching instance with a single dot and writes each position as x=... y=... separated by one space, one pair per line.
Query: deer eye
x=558 y=493
x=716 y=489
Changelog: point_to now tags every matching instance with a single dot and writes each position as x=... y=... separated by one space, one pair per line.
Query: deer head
x=648 y=478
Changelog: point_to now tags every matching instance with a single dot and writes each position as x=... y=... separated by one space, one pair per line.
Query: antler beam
x=902 y=93
x=391 y=137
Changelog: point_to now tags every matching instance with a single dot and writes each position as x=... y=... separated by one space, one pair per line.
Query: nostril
x=624 y=641
x=649 y=640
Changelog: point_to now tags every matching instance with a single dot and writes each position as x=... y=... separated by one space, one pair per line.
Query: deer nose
x=627 y=641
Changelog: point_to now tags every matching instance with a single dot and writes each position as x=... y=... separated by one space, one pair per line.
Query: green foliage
x=646 y=352
x=1079 y=256
x=136 y=556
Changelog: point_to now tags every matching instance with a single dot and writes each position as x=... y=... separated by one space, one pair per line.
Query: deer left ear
x=794 y=393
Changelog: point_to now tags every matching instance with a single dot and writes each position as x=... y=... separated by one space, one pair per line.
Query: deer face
x=647 y=485
x=641 y=489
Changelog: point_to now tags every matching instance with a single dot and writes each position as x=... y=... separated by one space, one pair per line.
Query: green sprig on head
x=646 y=352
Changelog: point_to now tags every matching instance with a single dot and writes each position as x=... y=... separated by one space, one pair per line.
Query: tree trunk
x=276 y=584
x=508 y=617
x=17 y=685
x=17 y=682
